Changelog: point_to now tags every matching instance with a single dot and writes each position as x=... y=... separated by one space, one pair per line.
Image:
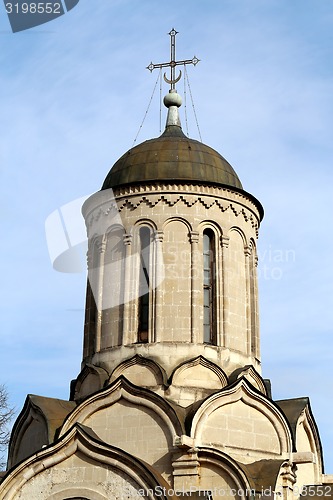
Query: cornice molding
x=188 y=200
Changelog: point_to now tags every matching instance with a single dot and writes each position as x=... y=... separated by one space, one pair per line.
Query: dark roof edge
x=303 y=402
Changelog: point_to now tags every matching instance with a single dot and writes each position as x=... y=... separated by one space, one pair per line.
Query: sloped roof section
x=36 y=425
x=172 y=157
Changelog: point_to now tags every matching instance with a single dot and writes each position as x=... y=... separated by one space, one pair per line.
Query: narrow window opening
x=143 y=312
x=209 y=286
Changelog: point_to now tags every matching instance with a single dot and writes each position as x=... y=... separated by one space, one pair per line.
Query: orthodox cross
x=173 y=63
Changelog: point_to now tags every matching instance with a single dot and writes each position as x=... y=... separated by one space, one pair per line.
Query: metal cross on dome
x=173 y=63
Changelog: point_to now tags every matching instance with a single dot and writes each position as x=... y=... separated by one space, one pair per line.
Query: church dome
x=172 y=157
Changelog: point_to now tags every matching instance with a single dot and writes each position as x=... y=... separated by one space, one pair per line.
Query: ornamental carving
x=170 y=200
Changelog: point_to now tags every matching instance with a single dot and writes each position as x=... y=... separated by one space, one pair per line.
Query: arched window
x=143 y=302
x=209 y=287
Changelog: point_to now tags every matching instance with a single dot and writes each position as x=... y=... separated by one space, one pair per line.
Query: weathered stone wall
x=177 y=216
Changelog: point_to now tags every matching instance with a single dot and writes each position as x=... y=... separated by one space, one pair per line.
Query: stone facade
x=177 y=216
x=170 y=400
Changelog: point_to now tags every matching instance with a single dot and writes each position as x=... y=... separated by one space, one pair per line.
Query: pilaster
x=195 y=287
x=157 y=334
x=127 y=290
x=288 y=476
x=247 y=253
x=224 y=287
x=97 y=288
x=186 y=470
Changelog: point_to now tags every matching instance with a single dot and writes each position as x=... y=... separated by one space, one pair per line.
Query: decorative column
x=255 y=312
x=97 y=287
x=288 y=476
x=158 y=276
x=90 y=315
x=127 y=238
x=247 y=253
x=219 y=293
x=196 y=288
x=224 y=289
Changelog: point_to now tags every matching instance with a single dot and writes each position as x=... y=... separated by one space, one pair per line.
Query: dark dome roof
x=172 y=157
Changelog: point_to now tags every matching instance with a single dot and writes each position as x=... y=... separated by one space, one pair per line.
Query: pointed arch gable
x=102 y=465
x=90 y=379
x=36 y=426
x=181 y=220
x=311 y=429
x=210 y=224
x=116 y=226
x=123 y=389
x=252 y=376
x=140 y=371
x=185 y=374
x=307 y=444
x=240 y=420
x=307 y=440
x=132 y=418
x=194 y=380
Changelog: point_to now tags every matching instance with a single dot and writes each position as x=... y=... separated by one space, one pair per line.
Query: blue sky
x=73 y=95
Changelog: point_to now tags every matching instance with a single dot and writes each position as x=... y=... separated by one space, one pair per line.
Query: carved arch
x=114 y=227
x=184 y=221
x=137 y=396
x=77 y=493
x=91 y=379
x=220 y=376
x=241 y=233
x=145 y=221
x=253 y=246
x=254 y=404
x=252 y=376
x=149 y=367
x=79 y=441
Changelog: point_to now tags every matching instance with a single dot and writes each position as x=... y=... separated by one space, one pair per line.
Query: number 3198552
x=33 y=8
